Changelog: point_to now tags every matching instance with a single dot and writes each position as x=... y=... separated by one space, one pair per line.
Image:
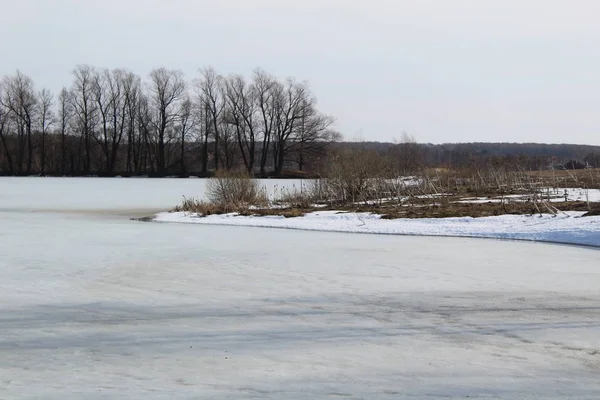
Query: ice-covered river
x=95 y=306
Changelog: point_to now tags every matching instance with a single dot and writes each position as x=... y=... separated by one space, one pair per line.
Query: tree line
x=111 y=122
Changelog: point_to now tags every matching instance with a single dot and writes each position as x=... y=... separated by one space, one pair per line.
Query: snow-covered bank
x=568 y=228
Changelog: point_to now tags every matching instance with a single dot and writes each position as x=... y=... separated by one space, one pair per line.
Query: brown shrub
x=234 y=190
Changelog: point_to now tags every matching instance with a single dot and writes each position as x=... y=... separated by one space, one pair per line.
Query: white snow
x=553 y=195
x=591 y=195
x=567 y=227
x=478 y=200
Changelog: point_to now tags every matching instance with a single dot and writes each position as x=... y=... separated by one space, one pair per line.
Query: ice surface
x=101 y=194
x=95 y=306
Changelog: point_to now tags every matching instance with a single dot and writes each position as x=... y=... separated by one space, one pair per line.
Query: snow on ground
x=592 y=195
x=553 y=195
x=567 y=227
x=478 y=200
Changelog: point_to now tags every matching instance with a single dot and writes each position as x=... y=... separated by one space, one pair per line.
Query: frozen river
x=95 y=306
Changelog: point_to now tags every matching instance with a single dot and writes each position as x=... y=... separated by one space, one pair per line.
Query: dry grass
x=303 y=200
x=354 y=176
x=475 y=210
x=204 y=208
x=197 y=206
x=283 y=212
x=584 y=178
x=593 y=212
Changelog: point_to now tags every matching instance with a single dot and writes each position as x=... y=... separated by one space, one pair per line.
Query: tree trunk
x=43 y=161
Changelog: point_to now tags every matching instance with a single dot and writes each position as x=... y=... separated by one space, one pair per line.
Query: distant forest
x=113 y=122
x=522 y=156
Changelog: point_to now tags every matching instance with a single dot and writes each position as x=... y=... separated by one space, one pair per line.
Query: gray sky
x=441 y=70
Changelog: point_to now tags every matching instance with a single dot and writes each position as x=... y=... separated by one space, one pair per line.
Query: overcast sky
x=441 y=70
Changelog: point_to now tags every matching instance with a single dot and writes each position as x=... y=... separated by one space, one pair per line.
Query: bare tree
x=111 y=101
x=4 y=132
x=167 y=88
x=132 y=95
x=145 y=146
x=185 y=126
x=241 y=112
x=85 y=109
x=210 y=90
x=46 y=119
x=20 y=100
x=204 y=126
x=265 y=86
x=102 y=103
x=292 y=103
x=228 y=146
x=65 y=113
x=408 y=155
x=117 y=81
x=312 y=137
